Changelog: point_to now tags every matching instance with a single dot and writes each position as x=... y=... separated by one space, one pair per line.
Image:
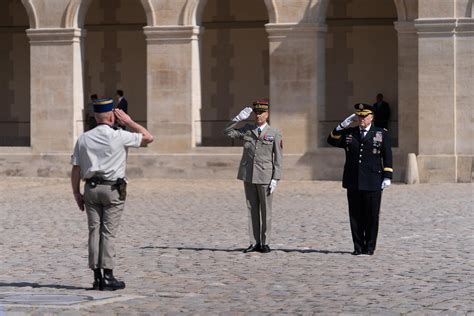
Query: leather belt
x=95 y=181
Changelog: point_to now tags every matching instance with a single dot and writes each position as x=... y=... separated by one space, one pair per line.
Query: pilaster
x=464 y=96
x=297 y=87
x=437 y=100
x=407 y=87
x=56 y=88
x=173 y=86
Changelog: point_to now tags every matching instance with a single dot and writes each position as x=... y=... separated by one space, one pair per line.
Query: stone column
x=407 y=87
x=407 y=93
x=56 y=89
x=464 y=99
x=297 y=87
x=437 y=100
x=173 y=87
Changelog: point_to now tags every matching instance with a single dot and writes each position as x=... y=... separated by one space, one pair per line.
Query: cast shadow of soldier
x=38 y=285
x=288 y=250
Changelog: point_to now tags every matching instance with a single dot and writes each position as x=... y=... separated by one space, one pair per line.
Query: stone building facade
x=187 y=66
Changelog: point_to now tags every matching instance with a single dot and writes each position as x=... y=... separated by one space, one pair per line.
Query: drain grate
x=43 y=299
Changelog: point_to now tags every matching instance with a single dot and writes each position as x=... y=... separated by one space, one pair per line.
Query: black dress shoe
x=253 y=248
x=96 y=284
x=265 y=249
x=110 y=283
x=356 y=253
x=370 y=252
x=97 y=279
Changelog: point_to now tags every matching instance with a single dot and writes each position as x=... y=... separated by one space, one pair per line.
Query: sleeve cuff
x=334 y=136
x=388 y=173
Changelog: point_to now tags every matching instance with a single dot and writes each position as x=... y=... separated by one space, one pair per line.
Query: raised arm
x=230 y=129
x=124 y=119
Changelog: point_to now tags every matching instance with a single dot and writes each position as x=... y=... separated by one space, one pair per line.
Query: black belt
x=95 y=181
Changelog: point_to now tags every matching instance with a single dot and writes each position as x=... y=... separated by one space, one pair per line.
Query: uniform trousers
x=364 y=209
x=104 y=211
x=259 y=204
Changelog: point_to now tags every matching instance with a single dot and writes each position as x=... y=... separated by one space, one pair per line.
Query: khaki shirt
x=102 y=152
x=262 y=156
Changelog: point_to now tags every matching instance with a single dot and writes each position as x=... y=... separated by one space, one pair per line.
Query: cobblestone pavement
x=180 y=241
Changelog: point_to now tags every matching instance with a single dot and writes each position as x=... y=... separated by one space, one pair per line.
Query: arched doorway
x=234 y=64
x=361 y=60
x=14 y=75
x=115 y=53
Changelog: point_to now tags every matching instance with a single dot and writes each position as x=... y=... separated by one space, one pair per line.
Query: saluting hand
x=243 y=115
x=347 y=121
x=79 y=200
x=122 y=117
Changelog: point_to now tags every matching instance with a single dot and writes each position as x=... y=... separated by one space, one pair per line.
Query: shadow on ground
x=241 y=249
x=37 y=285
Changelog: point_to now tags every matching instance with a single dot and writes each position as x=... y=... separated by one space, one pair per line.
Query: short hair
x=94 y=97
x=380 y=95
x=120 y=93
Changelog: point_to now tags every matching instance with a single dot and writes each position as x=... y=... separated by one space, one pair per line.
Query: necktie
x=362 y=132
x=259 y=131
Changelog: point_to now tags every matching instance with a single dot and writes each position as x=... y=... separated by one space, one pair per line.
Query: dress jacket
x=262 y=156
x=368 y=159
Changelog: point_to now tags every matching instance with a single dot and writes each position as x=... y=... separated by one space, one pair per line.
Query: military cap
x=364 y=109
x=261 y=106
x=103 y=105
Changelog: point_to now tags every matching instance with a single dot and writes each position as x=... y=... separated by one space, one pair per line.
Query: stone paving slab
x=179 y=251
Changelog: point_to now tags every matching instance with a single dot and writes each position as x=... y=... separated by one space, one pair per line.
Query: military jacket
x=262 y=156
x=368 y=159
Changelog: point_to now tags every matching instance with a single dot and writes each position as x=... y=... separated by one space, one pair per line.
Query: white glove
x=272 y=186
x=386 y=183
x=243 y=115
x=344 y=124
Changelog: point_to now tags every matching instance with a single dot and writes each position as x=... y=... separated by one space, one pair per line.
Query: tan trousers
x=104 y=210
x=259 y=204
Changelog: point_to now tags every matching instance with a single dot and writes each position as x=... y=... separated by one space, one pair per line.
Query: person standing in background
x=382 y=112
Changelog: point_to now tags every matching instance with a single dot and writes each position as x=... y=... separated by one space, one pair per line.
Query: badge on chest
x=268 y=138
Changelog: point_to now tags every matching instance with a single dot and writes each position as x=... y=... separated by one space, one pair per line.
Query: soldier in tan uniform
x=99 y=159
x=260 y=169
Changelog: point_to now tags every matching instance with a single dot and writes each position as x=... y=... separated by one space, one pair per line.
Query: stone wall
x=182 y=63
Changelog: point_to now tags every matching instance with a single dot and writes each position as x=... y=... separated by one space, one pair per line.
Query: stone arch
x=193 y=11
x=348 y=54
x=75 y=14
x=114 y=52
x=234 y=63
x=15 y=77
x=31 y=12
x=407 y=10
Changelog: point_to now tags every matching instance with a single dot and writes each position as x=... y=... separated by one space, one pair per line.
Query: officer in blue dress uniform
x=367 y=171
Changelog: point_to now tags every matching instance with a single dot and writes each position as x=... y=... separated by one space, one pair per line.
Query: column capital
x=405 y=27
x=435 y=27
x=55 y=36
x=465 y=27
x=172 y=33
x=279 y=31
